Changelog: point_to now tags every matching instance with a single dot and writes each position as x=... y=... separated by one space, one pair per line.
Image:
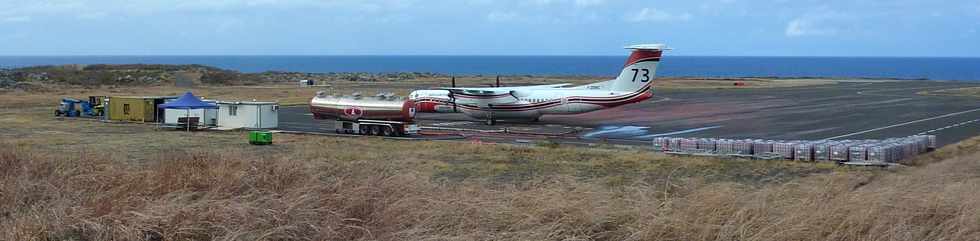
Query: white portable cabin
x=248 y=114
x=207 y=117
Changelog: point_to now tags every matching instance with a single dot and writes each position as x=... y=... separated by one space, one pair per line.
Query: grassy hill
x=162 y=74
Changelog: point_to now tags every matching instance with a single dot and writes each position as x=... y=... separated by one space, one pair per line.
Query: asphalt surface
x=859 y=110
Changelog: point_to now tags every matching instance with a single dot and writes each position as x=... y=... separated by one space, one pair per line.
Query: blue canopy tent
x=188 y=102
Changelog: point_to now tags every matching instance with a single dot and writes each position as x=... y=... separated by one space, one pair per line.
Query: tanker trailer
x=382 y=115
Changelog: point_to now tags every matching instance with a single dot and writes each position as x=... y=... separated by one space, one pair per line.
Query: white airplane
x=529 y=103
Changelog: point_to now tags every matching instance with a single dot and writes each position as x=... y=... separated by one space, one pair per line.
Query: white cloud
x=13 y=36
x=88 y=8
x=92 y=15
x=576 y=3
x=821 y=23
x=16 y=19
x=802 y=27
x=654 y=15
x=589 y=3
x=502 y=16
x=540 y=2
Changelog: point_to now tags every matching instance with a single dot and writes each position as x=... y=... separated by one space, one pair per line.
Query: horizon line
x=464 y=55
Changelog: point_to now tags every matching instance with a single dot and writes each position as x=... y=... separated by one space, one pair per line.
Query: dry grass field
x=64 y=179
x=70 y=179
x=967 y=91
x=729 y=83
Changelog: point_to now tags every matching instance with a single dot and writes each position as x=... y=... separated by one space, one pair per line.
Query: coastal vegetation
x=157 y=74
x=129 y=75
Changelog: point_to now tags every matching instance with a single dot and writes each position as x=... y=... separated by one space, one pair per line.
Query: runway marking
x=679 y=132
x=662 y=99
x=902 y=124
x=617 y=130
x=457 y=123
x=947 y=127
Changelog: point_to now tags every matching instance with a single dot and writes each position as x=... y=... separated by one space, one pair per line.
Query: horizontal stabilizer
x=648 y=47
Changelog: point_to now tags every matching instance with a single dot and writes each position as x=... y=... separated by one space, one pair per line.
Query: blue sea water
x=702 y=66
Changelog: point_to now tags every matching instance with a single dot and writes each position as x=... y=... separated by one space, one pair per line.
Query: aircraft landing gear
x=491 y=120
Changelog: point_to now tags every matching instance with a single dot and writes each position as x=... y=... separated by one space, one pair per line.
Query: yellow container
x=128 y=108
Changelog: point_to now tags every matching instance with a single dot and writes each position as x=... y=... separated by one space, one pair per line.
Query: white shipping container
x=877 y=154
x=743 y=147
x=248 y=114
x=675 y=143
x=840 y=151
x=688 y=144
x=784 y=149
x=887 y=150
x=761 y=146
x=922 y=143
x=910 y=149
x=803 y=152
x=725 y=146
x=661 y=144
x=858 y=153
x=893 y=153
x=706 y=144
x=821 y=152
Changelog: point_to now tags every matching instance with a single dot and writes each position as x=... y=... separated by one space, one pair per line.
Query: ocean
x=964 y=69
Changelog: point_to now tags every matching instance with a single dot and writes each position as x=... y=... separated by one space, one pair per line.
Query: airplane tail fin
x=640 y=68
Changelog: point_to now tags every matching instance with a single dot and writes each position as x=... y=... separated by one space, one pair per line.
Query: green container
x=259 y=137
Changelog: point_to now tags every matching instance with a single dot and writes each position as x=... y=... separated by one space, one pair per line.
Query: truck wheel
x=375 y=131
x=387 y=131
x=364 y=130
x=57 y=113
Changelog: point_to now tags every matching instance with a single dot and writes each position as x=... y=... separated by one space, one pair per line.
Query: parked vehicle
x=383 y=115
x=67 y=108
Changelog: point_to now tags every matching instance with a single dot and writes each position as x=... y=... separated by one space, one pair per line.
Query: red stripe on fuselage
x=614 y=101
x=643 y=55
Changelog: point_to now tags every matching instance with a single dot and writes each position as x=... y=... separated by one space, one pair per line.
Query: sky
x=488 y=27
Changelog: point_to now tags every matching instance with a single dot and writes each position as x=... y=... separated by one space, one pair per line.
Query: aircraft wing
x=534 y=87
x=479 y=92
x=502 y=90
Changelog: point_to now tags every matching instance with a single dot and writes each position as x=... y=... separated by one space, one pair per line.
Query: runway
x=850 y=110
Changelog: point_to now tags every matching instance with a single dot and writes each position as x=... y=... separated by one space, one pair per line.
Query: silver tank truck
x=379 y=115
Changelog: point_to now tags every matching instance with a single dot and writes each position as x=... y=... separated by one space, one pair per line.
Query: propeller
x=452 y=97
